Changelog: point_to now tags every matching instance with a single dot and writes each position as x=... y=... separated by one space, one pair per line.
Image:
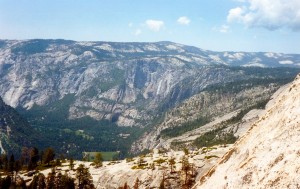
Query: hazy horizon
x=217 y=25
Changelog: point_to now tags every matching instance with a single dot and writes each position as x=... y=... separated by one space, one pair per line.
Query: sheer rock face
x=105 y=78
x=211 y=104
x=268 y=155
x=112 y=80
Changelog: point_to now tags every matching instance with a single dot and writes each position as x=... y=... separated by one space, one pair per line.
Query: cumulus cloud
x=183 y=20
x=154 y=25
x=236 y=14
x=270 y=14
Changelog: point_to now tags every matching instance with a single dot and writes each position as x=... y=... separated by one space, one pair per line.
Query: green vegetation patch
x=215 y=137
x=67 y=135
x=179 y=130
x=106 y=156
x=211 y=156
x=109 y=156
x=160 y=161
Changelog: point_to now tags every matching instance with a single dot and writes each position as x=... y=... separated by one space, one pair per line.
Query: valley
x=131 y=97
x=164 y=113
x=199 y=167
x=154 y=94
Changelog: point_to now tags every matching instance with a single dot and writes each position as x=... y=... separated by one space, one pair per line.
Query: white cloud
x=130 y=24
x=154 y=25
x=270 y=14
x=286 y=62
x=138 y=32
x=183 y=20
x=223 y=29
x=235 y=14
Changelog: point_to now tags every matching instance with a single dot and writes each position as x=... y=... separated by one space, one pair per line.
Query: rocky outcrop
x=105 y=78
x=267 y=156
x=109 y=80
x=215 y=106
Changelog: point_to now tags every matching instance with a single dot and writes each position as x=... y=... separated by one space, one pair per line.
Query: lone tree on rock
x=98 y=159
x=84 y=177
x=172 y=163
x=185 y=168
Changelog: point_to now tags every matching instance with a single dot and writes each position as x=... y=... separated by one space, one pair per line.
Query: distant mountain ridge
x=127 y=50
x=57 y=57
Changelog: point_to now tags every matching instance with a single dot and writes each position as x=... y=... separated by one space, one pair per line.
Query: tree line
x=29 y=160
x=32 y=162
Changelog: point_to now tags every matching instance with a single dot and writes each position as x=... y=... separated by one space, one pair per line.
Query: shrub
x=160 y=161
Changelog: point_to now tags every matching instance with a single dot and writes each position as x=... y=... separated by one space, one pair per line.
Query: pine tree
x=17 y=167
x=34 y=158
x=98 y=159
x=58 y=181
x=84 y=177
x=42 y=157
x=5 y=162
x=11 y=163
x=185 y=167
x=51 y=180
x=67 y=182
x=41 y=181
x=25 y=154
x=20 y=183
x=49 y=155
x=71 y=165
x=136 y=184
x=1 y=163
x=57 y=162
x=172 y=163
x=38 y=181
x=162 y=184
x=5 y=182
x=186 y=151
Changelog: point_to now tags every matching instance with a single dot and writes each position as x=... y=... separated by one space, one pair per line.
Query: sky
x=219 y=25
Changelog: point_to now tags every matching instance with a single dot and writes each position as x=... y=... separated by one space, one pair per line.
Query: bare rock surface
x=267 y=156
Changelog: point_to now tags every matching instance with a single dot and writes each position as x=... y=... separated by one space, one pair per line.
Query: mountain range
x=110 y=96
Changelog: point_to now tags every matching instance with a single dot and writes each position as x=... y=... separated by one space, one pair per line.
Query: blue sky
x=221 y=25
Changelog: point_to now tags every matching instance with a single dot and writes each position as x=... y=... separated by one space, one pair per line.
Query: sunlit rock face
x=267 y=156
x=119 y=81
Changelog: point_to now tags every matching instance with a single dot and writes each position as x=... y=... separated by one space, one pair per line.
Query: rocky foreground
x=149 y=171
x=268 y=156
